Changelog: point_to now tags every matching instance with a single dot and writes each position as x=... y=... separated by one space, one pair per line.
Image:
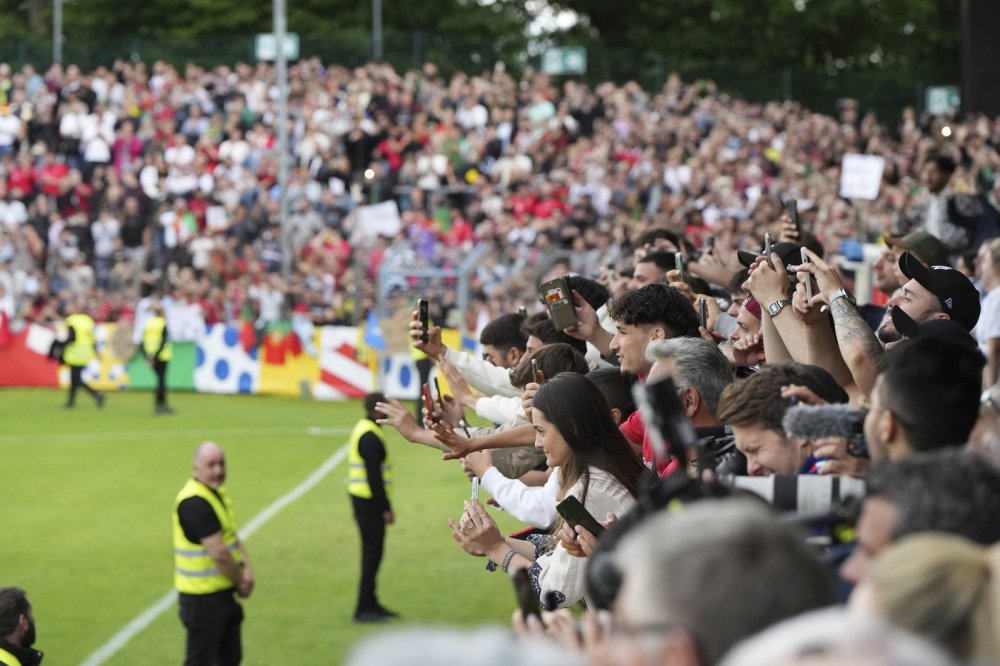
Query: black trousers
x=160 y=368
x=75 y=382
x=213 y=629
x=371 y=523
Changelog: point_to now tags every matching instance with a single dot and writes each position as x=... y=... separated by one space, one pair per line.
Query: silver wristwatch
x=777 y=306
x=842 y=293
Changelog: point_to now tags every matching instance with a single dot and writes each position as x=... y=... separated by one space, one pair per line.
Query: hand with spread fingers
x=458 y=445
x=399 y=417
x=456 y=382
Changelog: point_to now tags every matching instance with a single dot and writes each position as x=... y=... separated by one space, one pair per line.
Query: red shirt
x=635 y=431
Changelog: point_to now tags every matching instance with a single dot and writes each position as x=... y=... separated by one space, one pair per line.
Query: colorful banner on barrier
x=335 y=364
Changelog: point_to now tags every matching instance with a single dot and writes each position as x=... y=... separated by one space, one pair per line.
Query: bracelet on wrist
x=505 y=564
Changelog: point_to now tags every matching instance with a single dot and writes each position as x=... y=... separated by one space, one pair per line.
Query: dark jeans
x=213 y=629
x=160 y=368
x=75 y=382
x=371 y=523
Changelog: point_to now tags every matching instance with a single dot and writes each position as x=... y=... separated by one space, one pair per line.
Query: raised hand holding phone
x=808 y=278
x=558 y=299
x=791 y=231
x=536 y=373
x=767 y=250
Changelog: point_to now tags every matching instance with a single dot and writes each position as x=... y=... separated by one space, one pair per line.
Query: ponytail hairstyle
x=945 y=588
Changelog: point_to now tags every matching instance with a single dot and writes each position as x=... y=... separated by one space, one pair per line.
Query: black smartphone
x=559 y=300
x=767 y=250
x=425 y=319
x=527 y=600
x=703 y=313
x=792 y=210
x=574 y=513
x=679 y=265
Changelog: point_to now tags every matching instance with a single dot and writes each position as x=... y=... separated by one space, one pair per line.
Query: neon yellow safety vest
x=81 y=350
x=7 y=659
x=357 y=475
x=152 y=336
x=195 y=571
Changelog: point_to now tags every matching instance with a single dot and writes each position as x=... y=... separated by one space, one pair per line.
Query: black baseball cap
x=959 y=297
x=936 y=328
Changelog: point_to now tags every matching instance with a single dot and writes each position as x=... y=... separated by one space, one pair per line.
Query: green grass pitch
x=87 y=496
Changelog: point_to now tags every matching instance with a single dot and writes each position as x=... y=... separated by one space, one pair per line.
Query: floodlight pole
x=57 y=32
x=377 y=30
x=281 y=64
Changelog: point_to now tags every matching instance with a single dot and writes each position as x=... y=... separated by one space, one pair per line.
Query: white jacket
x=562 y=572
x=535 y=505
x=482 y=375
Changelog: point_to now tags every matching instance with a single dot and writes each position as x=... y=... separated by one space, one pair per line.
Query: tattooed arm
x=858 y=345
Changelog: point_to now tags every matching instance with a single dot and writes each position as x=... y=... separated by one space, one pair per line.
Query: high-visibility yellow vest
x=81 y=350
x=7 y=659
x=152 y=336
x=357 y=474
x=195 y=571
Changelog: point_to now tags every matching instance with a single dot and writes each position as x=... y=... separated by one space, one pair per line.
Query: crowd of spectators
x=133 y=178
x=654 y=206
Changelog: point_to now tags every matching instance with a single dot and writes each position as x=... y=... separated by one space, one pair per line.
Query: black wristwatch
x=777 y=306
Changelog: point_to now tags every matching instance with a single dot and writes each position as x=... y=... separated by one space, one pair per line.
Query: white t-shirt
x=988 y=326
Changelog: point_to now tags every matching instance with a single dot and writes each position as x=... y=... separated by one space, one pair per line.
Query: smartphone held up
x=559 y=300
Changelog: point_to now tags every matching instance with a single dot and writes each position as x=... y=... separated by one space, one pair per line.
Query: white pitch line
x=146 y=618
x=166 y=434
